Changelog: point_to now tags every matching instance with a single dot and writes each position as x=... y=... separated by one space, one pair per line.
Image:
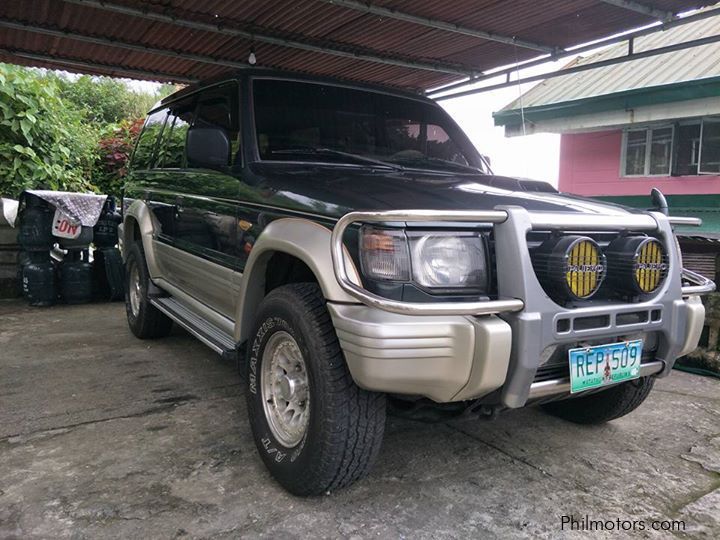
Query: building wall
x=590 y=165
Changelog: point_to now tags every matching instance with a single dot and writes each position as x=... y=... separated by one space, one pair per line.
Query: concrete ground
x=103 y=435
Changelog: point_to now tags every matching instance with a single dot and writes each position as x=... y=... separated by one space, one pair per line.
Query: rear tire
x=315 y=429
x=603 y=406
x=144 y=319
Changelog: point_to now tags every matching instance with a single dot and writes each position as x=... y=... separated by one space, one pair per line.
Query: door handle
x=179 y=209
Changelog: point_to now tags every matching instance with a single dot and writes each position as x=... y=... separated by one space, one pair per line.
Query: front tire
x=144 y=319
x=603 y=406
x=315 y=429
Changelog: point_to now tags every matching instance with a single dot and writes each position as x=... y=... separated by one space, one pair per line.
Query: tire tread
x=352 y=438
x=604 y=406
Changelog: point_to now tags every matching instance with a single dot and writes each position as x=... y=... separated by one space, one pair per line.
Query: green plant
x=43 y=142
x=108 y=101
x=115 y=148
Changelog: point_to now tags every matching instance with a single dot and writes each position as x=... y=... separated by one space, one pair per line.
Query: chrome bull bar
x=538 y=221
x=699 y=284
x=487 y=307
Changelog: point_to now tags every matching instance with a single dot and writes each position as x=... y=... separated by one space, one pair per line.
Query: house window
x=709 y=157
x=648 y=152
x=685 y=149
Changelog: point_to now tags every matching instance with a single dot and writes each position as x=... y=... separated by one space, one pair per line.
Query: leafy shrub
x=64 y=133
x=105 y=100
x=115 y=149
x=43 y=143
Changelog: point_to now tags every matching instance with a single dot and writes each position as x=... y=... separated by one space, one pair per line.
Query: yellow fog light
x=570 y=267
x=584 y=269
x=636 y=264
x=650 y=265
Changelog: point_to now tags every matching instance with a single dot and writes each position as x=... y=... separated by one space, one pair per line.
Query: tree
x=66 y=133
x=43 y=142
x=108 y=101
x=115 y=149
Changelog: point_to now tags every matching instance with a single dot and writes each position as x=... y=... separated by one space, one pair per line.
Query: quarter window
x=217 y=108
x=171 y=150
x=145 y=148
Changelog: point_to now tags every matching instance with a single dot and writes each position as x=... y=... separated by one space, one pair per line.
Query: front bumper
x=445 y=358
x=462 y=351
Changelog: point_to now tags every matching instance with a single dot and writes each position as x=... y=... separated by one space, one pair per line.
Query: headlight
x=431 y=260
x=441 y=261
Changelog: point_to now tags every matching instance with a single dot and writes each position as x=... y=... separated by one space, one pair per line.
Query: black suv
x=354 y=249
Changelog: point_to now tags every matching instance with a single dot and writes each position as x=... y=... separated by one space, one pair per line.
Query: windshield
x=300 y=121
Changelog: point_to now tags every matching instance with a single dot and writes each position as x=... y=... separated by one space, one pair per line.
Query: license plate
x=592 y=367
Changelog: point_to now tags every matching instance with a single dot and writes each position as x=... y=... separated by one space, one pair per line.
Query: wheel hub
x=285 y=391
x=134 y=290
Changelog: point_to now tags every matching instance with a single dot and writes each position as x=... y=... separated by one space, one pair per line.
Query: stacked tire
x=108 y=268
x=75 y=270
x=35 y=238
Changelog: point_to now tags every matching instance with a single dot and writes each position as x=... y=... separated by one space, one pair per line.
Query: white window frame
x=648 y=146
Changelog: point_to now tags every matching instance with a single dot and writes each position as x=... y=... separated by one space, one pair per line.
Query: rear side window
x=171 y=150
x=218 y=108
x=145 y=148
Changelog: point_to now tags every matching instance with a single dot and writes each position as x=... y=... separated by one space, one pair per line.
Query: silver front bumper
x=535 y=322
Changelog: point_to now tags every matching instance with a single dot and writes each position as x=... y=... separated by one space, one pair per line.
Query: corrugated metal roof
x=671 y=68
x=550 y=23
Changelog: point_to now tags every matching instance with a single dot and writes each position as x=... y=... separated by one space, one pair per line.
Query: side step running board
x=217 y=339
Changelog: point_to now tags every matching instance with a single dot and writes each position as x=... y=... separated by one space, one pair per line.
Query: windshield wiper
x=330 y=152
x=444 y=162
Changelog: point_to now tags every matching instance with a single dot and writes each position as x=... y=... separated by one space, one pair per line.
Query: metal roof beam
x=84 y=65
x=586 y=67
x=259 y=36
x=440 y=25
x=702 y=15
x=645 y=9
x=26 y=27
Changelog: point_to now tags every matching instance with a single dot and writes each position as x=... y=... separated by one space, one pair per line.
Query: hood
x=335 y=190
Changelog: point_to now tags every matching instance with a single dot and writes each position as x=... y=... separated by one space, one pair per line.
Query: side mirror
x=208 y=148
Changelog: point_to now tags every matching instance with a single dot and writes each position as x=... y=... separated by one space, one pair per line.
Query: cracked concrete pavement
x=106 y=436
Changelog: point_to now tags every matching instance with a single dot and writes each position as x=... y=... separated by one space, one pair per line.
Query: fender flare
x=301 y=238
x=140 y=213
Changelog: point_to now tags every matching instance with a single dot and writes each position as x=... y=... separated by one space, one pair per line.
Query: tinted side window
x=171 y=150
x=143 y=155
x=218 y=108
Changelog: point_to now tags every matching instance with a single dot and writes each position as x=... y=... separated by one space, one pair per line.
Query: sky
x=532 y=156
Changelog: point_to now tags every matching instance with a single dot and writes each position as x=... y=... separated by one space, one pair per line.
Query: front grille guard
x=539 y=221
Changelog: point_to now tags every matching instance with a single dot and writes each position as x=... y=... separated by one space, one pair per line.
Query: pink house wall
x=590 y=165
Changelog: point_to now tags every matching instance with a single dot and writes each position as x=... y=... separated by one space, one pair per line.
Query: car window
x=297 y=120
x=218 y=108
x=145 y=147
x=171 y=150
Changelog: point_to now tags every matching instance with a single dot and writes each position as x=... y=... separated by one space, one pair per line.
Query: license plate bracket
x=602 y=365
